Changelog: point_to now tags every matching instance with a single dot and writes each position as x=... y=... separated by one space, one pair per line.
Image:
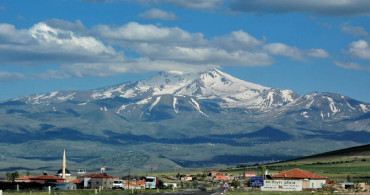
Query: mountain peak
x=211 y=83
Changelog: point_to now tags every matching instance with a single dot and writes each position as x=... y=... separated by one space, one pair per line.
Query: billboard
x=256 y=181
x=282 y=185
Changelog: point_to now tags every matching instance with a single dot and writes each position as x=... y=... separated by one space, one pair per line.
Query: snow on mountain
x=213 y=84
x=175 y=92
x=325 y=106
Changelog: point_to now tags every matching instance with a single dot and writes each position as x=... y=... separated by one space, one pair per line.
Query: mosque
x=64 y=173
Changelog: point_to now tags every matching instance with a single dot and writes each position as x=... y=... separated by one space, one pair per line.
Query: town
x=201 y=182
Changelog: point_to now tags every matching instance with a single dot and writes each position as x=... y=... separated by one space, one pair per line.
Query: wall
x=313 y=183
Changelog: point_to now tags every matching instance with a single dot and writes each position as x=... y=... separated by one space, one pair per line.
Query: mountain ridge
x=168 y=116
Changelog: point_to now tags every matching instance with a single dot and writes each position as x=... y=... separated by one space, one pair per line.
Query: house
x=98 y=180
x=213 y=173
x=221 y=177
x=309 y=180
x=63 y=186
x=249 y=175
x=24 y=179
x=47 y=179
x=186 y=178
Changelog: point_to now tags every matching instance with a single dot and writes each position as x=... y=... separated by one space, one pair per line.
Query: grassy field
x=336 y=165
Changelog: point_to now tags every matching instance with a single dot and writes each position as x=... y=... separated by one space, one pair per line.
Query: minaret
x=64 y=165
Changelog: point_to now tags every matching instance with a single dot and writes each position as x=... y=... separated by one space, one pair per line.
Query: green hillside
x=339 y=165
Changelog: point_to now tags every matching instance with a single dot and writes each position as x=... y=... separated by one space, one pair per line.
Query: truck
x=118 y=184
x=151 y=182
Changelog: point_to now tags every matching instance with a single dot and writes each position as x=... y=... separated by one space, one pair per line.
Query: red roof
x=47 y=177
x=220 y=177
x=24 y=178
x=297 y=174
x=98 y=175
x=75 y=181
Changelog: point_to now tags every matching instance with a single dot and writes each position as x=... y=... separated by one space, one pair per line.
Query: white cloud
x=42 y=44
x=189 y=4
x=238 y=40
x=135 y=32
x=355 y=31
x=360 y=49
x=76 y=27
x=317 y=53
x=281 y=49
x=145 y=2
x=351 y=65
x=9 y=76
x=321 y=7
x=284 y=50
x=158 y=14
x=197 y=4
x=79 y=52
x=161 y=43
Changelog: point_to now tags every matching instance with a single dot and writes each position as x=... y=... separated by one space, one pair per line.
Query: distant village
x=289 y=180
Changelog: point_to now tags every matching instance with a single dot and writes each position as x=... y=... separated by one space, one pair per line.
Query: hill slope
x=176 y=120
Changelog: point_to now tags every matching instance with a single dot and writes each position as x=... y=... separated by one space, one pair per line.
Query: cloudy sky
x=306 y=45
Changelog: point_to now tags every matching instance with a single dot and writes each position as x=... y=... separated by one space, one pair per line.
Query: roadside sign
x=226 y=185
x=256 y=181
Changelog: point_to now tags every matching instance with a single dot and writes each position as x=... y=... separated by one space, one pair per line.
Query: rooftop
x=298 y=174
x=98 y=175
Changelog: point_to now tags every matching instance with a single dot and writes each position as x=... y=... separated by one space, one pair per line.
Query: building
x=64 y=172
x=60 y=173
x=63 y=186
x=98 y=180
x=309 y=180
x=249 y=175
x=24 y=179
x=187 y=178
x=221 y=177
x=47 y=179
x=213 y=173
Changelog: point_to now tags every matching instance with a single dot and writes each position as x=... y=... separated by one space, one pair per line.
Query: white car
x=118 y=184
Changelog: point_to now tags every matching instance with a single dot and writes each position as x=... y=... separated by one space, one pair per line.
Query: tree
x=349 y=179
x=263 y=170
x=12 y=176
x=15 y=175
x=28 y=173
x=235 y=183
x=247 y=182
x=8 y=176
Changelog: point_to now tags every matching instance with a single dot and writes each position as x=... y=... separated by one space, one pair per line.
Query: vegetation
x=351 y=164
x=11 y=176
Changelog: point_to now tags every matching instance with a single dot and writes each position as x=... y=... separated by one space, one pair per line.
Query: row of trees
x=10 y=176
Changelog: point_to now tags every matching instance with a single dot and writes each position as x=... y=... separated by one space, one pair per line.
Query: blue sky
x=305 y=46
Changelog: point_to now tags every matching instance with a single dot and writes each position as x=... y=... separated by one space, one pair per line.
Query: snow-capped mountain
x=210 y=111
x=213 y=90
x=230 y=92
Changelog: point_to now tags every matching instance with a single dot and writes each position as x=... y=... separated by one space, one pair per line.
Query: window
x=97 y=182
x=313 y=185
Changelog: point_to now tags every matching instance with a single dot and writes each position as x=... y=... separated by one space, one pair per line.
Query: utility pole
x=128 y=179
